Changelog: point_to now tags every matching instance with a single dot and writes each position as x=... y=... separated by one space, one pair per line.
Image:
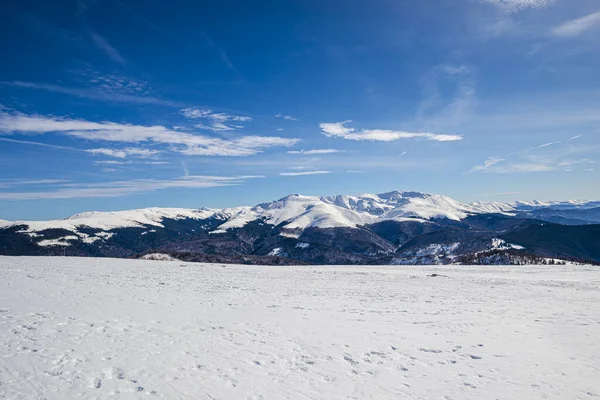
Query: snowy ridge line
x=298 y=212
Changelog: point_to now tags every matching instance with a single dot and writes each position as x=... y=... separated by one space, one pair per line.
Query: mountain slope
x=361 y=229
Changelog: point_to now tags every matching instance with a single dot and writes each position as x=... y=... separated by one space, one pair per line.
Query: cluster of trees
x=515 y=257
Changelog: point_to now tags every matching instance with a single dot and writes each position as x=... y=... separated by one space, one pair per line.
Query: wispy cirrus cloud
x=222 y=54
x=31 y=143
x=315 y=151
x=449 y=97
x=340 y=130
x=97 y=93
x=578 y=26
x=218 y=127
x=9 y=183
x=109 y=152
x=215 y=121
x=487 y=164
x=546 y=157
x=125 y=188
x=206 y=113
x=286 y=117
x=515 y=167
x=177 y=140
x=115 y=162
x=520 y=5
x=106 y=47
x=114 y=83
x=304 y=173
x=123 y=153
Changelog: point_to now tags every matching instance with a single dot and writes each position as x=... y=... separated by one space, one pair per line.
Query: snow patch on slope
x=114 y=220
x=63 y=241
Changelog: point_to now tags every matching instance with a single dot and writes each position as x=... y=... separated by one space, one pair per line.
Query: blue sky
x=117 y=104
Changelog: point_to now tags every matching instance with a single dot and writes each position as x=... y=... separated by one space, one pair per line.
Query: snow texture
x=132 y=329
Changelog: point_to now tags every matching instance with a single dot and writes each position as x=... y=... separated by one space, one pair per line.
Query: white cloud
x=487 y=164
x=315 y=151
x=519 y=5
x=123 y=153
x=218 y=127
x=340 y=130
x=523 y=167
x=142 y=153
x=110 y=51
x=108 y=152
x=576 y=27
x=125 y=188
x=112 y=162
x=196 y=113
x=115 y=162
x=304 y=173
x=184 y=142
x=219 y=121
x=286 y=117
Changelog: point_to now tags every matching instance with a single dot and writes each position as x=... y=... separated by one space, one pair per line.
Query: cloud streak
x=178 y=141
x=106 y=47
x=206 y=113
x=340 y=130
x=97 y=94
x=123 y=153
x=116 y=162
x=28 y=142
x=217 y=121
x=286 y=117
x=526 y=160
x=315 y=151
x=578 y=26
x=304 y=173
x=33 y=182
x=126 y=188
x=520 y=5
x=222 y=55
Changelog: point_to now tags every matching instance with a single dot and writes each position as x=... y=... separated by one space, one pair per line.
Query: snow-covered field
x=105 y=328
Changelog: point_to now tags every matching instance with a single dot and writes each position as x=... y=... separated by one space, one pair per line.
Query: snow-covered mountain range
x=291 y=217
x=300 y=212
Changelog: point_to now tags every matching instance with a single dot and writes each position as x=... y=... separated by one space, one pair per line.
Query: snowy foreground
x=123 y=329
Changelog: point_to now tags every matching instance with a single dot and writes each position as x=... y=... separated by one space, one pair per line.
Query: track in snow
x=105 y=328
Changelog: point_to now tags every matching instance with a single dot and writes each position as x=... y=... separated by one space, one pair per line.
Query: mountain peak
x=401 y=194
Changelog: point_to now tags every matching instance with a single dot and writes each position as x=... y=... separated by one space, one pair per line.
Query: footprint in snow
x=430 y=350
